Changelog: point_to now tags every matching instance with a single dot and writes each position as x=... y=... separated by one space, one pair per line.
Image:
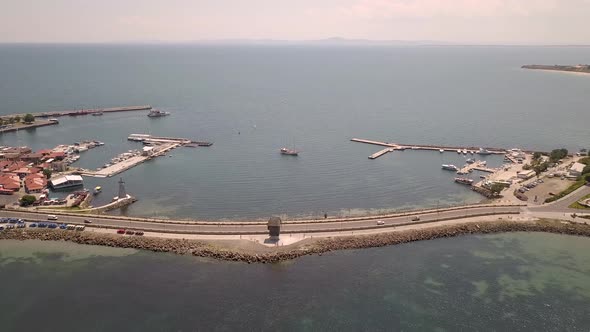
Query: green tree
x=17 y=118
x=536 y=155
x=586 y=170
x=27 y=200
x=587 y=178
x=29 y=118
x=47 y=172
x=558 y=154
x=496 y=188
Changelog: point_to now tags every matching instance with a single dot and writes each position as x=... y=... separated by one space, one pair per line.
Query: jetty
x=92 y=111
x=477 y=166
x=380 y=153
x=23 y=126
x=401 y=147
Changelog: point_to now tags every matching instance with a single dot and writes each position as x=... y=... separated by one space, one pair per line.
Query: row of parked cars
x=530 y=186
x=42 y=224
x=123 y=231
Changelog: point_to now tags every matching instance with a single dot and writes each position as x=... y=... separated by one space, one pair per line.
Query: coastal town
x=522 y=186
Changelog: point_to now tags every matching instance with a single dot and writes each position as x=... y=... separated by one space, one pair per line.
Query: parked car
x=121 y=231
x=129 y=232
x=86 y=221
x=415 y=218
x=33 y=225
x=139 y=233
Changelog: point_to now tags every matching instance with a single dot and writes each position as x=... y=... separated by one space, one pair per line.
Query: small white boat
x=459 y=151
x=450 y=167
x=464 y=151
x=441 y=150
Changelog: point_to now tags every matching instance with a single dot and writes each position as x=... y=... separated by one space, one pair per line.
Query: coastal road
x=563 y=204
x=219 y=228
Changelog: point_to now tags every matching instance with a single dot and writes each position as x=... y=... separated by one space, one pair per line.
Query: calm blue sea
x=252 y=100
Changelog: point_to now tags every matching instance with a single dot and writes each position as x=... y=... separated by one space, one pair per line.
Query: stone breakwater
x=320 y=246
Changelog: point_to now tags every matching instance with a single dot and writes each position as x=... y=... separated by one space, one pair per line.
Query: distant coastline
x=575 y=69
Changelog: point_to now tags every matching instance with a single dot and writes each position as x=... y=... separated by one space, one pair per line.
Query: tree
x=29 y=118
x=17 y=118
x=586 y=169
x=536 y=155
x=587 y=178
x=558 y=154
x=496 y=188
x=47 y=172
x=27 y=200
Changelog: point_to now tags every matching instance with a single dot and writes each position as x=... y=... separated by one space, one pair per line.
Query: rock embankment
x=203 y=249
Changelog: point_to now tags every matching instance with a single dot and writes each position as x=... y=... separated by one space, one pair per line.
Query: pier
x=401 y=147
x=380 y=153
x=91 y=111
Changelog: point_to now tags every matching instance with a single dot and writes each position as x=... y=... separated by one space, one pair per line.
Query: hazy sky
x=463 y=21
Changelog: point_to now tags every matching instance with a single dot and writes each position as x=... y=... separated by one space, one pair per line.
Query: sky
x=454 y=21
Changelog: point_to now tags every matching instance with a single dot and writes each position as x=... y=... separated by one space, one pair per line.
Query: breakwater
x=317 y=246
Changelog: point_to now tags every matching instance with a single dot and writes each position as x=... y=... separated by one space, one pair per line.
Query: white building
x=526 y=174
x=66 y=182
x=576 y=169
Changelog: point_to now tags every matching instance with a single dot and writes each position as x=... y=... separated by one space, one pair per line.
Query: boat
x=54 y=120
x=464 y=181
x=459 y=151
x=441 y=150
x=289 y=152
x=470 y=161
x=483 y=151
x=464 y=151
x=449 y=167
x=97 y=113
x=484 y=163
x=97 y=190
x=157 y=113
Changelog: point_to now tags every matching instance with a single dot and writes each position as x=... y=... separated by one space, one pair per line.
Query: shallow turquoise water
x=253 y=100
x=506 y=282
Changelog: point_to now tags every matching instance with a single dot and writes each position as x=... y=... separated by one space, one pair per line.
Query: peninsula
x=575 y=69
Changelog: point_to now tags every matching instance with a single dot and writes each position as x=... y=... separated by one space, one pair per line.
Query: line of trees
x=28 y=118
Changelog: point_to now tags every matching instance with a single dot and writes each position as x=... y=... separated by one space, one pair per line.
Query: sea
x=251 y=100
x=504 y=282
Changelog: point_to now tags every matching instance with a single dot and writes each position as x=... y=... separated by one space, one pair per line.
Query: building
x=274 y=228
x=67 y=181
x=576 y=169
x=35 y=183
x=526 y=174
x=9 y=182
x=147 y=151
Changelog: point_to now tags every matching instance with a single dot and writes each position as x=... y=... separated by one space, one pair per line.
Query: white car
x=380 y=222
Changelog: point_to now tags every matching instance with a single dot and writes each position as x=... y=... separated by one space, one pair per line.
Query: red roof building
x=35 y=183
x=10 y=181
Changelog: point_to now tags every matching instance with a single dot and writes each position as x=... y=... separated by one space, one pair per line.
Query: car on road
x=380 y=222
x=51 y=217
x=416 y=218
x=86 y=221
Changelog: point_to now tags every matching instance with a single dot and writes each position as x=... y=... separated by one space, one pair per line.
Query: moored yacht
x=483 y=151
x=289 y=152
x=450 y=167
x=464 y=181
x=157 y=113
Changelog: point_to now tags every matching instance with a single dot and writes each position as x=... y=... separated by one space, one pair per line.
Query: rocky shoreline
x=204 y=249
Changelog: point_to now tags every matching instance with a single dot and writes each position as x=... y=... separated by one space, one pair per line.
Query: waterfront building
x=67 y=181
x=274 y=228
x=526 y=174
x=576 y=169
x=35 y=183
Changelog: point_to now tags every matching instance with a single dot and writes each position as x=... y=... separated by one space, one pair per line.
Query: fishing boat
x=450 y=167
x=464 y=181
x=97 y=113
x=157 y=113
x=289 y=152
x=97 y=190
x=470 y=161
